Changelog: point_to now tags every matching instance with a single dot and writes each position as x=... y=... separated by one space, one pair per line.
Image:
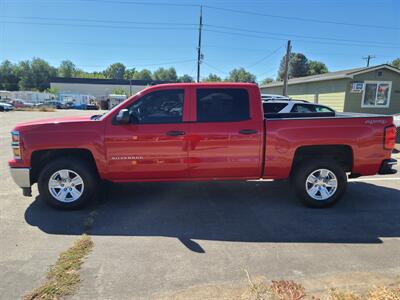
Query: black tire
x=80 y=167
x=308 y=167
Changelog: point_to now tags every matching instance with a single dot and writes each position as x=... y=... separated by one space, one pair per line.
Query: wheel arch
x=343 y=154
x=39 y=158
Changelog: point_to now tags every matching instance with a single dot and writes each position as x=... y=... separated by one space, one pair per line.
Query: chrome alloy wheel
x=66 y=185
x=321 y=184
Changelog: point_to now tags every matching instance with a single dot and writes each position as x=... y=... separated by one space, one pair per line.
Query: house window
x=376 y=94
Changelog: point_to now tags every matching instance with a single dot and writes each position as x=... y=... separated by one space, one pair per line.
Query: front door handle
x=175 y=133
x=248 y=131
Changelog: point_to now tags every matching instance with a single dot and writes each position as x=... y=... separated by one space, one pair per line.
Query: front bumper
x=21 y=177
x=388 y=167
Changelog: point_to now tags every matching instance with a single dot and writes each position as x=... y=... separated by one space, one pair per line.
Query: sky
x=152 y=34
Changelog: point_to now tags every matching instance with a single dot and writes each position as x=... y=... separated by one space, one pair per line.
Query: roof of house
x=105 y=81
x=333 y=75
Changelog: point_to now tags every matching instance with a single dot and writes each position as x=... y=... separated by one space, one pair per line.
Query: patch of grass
x=277 y=290
x=335 y=294
x=42 y=108
x=261 y=289
x=384 y=293
x=63 y=277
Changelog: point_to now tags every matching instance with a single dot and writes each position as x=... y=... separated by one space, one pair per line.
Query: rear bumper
x=21 y=177
x=388 y=167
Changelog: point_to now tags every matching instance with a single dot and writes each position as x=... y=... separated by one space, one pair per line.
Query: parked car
x=269 y=97
x=6 y=106
x=294 y=106
x=85 y=106
x=205 y=132
x=19 y=103
x=54 y=104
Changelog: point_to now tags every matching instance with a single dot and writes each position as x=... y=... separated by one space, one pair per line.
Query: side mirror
x=123 y=116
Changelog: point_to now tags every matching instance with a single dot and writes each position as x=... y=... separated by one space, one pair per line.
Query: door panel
x=147 y=152
x=226 y=138
x=154 y=146
x=218 y=150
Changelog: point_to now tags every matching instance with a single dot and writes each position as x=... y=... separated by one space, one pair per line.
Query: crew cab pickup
x=197 y=132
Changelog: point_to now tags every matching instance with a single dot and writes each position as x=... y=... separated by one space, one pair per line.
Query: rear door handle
x=175 y=133
x=248 y=131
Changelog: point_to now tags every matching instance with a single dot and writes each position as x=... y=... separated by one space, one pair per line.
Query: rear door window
x=222 y=105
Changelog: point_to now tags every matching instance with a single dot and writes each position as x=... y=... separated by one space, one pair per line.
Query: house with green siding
x=365 y=90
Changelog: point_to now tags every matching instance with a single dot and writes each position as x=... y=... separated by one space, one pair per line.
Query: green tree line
x=35 y=74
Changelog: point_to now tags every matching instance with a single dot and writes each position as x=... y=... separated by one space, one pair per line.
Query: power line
x=183 y=24
x=99 y=21
x=215 y=68
x=296 y=35
x=97 y=26
x=143 y=65
x=298 y=18
x=264 y=58
x=298 y=40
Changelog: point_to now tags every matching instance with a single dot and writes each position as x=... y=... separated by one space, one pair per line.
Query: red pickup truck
x=195 y=132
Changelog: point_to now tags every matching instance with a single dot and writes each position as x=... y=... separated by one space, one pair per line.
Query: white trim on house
x=377 y=82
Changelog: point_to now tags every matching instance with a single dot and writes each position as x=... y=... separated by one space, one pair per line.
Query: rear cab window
x=222 y=105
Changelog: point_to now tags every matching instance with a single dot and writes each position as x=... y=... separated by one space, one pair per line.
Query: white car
x=294 y=106
x=269 y=97
x=6 y=106
x=396 y=121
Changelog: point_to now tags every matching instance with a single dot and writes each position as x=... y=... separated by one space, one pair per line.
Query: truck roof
x=206 y=84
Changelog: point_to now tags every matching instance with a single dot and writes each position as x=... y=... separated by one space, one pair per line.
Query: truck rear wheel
x=320 y=183
x=67 y=183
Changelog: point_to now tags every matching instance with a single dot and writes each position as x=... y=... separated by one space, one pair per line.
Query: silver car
x=6 y=106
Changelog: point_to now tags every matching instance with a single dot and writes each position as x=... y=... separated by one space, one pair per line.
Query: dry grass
x=42 y=108
x=260 y=289
x=63 y=277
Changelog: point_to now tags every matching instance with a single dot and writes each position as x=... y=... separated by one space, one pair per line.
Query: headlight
x=15 y=144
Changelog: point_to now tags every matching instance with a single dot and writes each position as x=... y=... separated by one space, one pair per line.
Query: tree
x=298 y=66
x=212 y=78
x=8 y=76
x=316 y=67
x=266 y=81
x=24 y=73
x=130 y=73
x=165 y=74
x=143 y=75
x=396 y=63
x=241 y=75
x=115 y=71
x=42 y=72
x=67 y=69
x=185 y=78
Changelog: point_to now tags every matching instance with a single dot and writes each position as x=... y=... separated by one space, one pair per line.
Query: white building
x=99 y=88
x=33 y=97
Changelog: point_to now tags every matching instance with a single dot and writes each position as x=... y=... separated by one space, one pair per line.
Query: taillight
x=390 y=137
x=16 y=144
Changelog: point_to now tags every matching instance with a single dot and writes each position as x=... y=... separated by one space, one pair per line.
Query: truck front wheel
x=67 y=183
x=320 y=183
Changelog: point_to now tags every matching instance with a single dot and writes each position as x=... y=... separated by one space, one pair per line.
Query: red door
x=226 y=138
x=154 y=145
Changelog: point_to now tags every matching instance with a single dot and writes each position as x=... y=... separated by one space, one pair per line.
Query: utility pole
x=286 y=74
x=368 y=58
x=199 y=55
